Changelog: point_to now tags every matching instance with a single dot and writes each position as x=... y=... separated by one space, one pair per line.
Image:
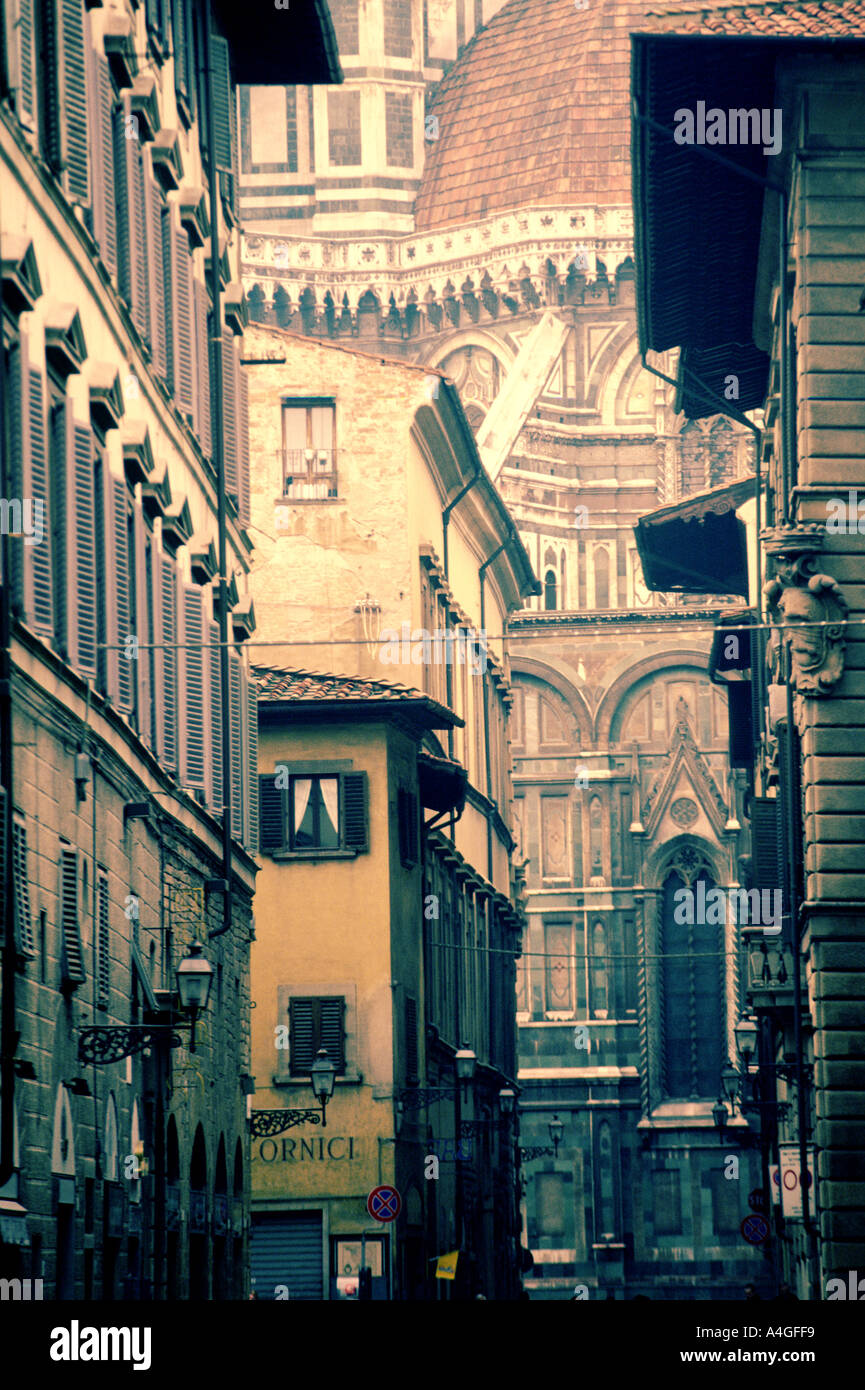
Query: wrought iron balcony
x=309 y=474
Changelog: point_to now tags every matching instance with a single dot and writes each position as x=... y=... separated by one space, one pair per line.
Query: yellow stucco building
x=388 y=910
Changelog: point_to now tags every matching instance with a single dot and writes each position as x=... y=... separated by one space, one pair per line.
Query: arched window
x=596 y=835
x=257 y=312
x=550 y=588
x=692 y=973
x=602 y=577
x=600 y=981
x=563 y=571
x=606 y=1208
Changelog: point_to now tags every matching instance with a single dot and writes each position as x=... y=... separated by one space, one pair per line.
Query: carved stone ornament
x=810 y=612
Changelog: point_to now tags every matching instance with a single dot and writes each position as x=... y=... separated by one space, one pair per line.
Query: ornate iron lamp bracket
x=537 y=1151
x=421 y=1096
x=100 y=1046
x=264 y=1124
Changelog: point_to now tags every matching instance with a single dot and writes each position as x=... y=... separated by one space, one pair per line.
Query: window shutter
x=121 y=200
x=221 y=83
x=25 y=102
x=72 y=962
x=156 y=276
x=58 y=524
x=139 y=288
x=73 y=100
x=168 y=298
x=181 y=280
x=302 y=1035
x=141 y=665
x=192 y=715
x=120 y=667
x=18 y=425
x=104 y=193
x=274 y=805
x=236 y=746
x=354 y=811
x=412 y=1066
x=740 y=716
x=103 y=949
x=229 y=413
x=252 y=768
x=407 y=816
x=178 y=23
x=203 y=351
x=37 y=573
x=243 y=445
x=82 y=552
x=765 y=859
x=3 y=864
x=23 y=921
x=215 y=722
x=168 y=684
x=153 y=728
x=331 y=1033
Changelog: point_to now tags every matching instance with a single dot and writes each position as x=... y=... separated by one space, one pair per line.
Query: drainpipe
x=218 y=445
x=8 y=974
x=482 y=575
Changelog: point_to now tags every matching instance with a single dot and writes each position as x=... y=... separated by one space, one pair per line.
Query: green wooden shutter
x=105 y=197
x=236 y=706
x=216 y=794
x=23 y=921
x=331 y=1030
x=72 y=956
x=355 y=821
x=203 y=431
x=58 y=486
x=183 y=327
x=25 y=99
x=229 y=414
x=252 y=768
x=103 y=946
x=74 y=100
x=412 y=1061
x=302 y=1035
x=38 y=585
x=83 y=551
x=192 y=690
x=168 y=691
x=120 y=666
x=222 y=94
x=272 y=818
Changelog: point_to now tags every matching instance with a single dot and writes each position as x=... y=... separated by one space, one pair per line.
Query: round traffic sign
x=755 y=1229
x=757 y=1199
x=384 y=1204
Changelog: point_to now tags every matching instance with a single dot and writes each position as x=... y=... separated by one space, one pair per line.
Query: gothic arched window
x=692 y=972
x=606 y=1209
x=602 y=577
x=550 y=587
x=600 y=978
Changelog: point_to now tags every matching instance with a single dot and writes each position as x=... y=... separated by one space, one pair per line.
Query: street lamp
x=323 y=1076
x=745 y=1033
x=194 y=978
x=557 y=1129
x=465 y=1062
x=507 y=1098
x=729 y=1083
x=719 y=1113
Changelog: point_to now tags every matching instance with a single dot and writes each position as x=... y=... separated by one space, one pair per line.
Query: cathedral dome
x=535 y=111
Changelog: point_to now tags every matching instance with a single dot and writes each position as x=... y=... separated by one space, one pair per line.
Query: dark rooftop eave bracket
x=283 y=47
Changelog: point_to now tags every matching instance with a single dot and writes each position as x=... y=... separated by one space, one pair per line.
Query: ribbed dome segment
x=535 y=111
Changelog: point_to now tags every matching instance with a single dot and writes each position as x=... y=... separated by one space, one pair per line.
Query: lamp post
x=264 y=1124
x=194 y=979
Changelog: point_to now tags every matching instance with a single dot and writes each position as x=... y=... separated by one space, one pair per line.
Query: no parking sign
x=785 y=1184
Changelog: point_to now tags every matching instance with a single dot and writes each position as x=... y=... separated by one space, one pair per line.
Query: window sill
x=288 y=855
x=305 y=501
x=288 y=1079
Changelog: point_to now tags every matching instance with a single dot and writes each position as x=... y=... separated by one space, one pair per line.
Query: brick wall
x=344 y=16
x=343 y=127
x=399 y=128
x=397 y=28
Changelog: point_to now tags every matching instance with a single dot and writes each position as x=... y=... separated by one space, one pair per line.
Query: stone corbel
x=798 y=598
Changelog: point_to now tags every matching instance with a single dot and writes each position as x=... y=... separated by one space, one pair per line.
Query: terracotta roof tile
x=537 y=109
x=277 y=683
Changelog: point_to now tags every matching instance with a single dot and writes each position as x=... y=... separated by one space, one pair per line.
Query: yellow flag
x=446 y=1265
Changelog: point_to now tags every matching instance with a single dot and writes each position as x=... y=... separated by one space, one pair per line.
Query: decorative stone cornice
x=192 y=205
x=144 y=105
x=119 y=43
x=138 y=459
x=166 y=160
x=21 y=284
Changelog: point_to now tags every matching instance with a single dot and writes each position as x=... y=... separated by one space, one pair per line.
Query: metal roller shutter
x=287 y=1250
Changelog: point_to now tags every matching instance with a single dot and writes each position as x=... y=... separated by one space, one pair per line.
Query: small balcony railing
x=309 y=474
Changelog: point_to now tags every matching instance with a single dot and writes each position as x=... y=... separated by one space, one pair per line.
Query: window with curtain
x=314 y=812
x=308 y=450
